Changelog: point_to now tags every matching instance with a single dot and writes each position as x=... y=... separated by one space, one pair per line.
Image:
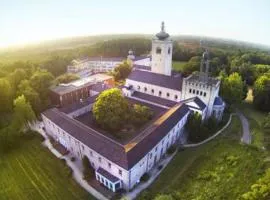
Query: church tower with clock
x=162 y=47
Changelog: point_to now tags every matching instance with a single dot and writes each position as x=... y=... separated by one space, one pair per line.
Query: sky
x=28 y=21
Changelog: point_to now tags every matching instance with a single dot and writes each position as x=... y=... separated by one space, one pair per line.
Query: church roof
x=218 y=101
x=142 y=67
x=107 y=175
x=172 y=82
x=199 y=103
x=154 y=99
x=196 y=78
x=126 y=156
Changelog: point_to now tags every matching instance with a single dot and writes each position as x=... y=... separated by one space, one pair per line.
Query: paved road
x=246 y=137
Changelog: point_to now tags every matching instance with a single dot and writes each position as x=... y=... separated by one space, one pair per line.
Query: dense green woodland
x=26 y=75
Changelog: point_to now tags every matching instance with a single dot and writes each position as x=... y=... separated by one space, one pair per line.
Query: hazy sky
x=25 y=21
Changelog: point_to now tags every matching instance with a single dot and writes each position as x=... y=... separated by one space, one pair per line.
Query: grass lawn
x=220 y=169
x=31 y=172
x=178 y=65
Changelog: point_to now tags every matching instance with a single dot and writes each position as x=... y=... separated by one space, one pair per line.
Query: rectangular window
x=91 y=153
x=99 y=159
x=120 y=172
x=109 y=165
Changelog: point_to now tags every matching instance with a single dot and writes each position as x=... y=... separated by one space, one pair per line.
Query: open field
x=220 y=169
x=31 y=172
x=178 y=65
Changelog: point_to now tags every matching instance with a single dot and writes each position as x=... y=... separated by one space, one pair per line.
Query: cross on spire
x=162 y=26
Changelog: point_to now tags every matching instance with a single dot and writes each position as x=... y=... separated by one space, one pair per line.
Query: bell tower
x=162 y=47
x=204 y=67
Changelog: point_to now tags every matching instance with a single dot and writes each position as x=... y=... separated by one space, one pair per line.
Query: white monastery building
x=172 y=97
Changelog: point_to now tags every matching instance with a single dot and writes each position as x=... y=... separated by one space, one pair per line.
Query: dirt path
x=246 y=137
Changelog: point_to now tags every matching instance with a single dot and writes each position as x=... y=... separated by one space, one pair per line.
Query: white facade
x=129 y=178
x=205 y=91
x=155 y=90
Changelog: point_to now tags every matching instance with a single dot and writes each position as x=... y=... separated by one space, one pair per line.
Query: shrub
x=232 y=160
x=145 y=177
x=88 y=170
x=171 y=149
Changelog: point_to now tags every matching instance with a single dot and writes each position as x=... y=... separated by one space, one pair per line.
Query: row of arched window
x=159 y=93
x=198 y=84
x=197 y=92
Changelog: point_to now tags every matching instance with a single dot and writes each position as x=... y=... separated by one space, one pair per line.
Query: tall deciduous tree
x=232 y=88
x=30 y=94
x=66 y=78
x=111 y=109
x=261 y=93
x=122 y=71
x=193 y=127
x=23 y=112
x=40 y=82
x=5 y=95
x=16 y=77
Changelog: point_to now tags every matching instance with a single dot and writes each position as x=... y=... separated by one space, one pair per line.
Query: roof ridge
x=146 y=132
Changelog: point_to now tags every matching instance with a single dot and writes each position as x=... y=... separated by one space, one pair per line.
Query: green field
x=178 y=65
x=31 y=172
x=220 y=169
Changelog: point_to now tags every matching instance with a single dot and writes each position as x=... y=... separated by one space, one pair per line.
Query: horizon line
x=58 y=39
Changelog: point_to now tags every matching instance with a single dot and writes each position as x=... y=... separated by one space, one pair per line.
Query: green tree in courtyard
x=232 y=88
x=111 y=109
x=23 y=113
x=141 y=114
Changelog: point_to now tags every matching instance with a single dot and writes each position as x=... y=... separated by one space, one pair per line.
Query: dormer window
x=158 y=50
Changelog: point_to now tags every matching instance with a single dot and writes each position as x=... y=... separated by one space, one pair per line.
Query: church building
x=172 y=97
x=161 y=82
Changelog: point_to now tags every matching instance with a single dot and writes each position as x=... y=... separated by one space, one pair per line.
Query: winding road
x=246 y=137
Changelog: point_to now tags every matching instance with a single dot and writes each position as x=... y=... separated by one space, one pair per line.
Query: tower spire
x=162 y=35
x=204 y=68
x=162 y=26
